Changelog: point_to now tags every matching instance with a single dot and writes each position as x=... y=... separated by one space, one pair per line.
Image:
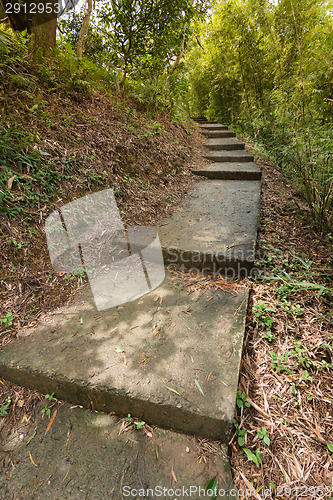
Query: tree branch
x=178 y=58
x=84 y=29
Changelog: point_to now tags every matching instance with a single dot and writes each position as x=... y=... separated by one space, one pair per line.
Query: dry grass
x=23 y=405
x=293 y=397
x=111 y=145
x=195 y=283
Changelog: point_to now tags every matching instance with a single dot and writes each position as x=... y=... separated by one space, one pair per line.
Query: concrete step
x=209 y=232
x=230 y=171
x=215 y=134
x=225 y=143
x=202 y=120
x=215 y=228
x=213 y=126
x=84 y=457
x=149 y=357
x=145 y=357
x=229 y=156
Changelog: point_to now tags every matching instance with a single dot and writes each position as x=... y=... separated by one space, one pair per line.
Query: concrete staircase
x=172 y=357
x=227 y=156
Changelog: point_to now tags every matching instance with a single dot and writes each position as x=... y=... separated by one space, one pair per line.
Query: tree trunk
x=178 y=58
x=3 y=15
x=84 y=28
x=44 y=30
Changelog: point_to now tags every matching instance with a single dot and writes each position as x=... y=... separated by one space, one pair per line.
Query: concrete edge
x=225 y=147
x=230 y=159
x=228 y=175
x=218 y=264
x=107 y=401
x=218 y=134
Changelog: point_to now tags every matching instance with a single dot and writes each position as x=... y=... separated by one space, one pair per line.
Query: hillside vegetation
x=66 y=132
x=267 y=68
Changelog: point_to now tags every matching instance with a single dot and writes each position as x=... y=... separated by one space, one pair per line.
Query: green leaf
x=4 y=408
x=250 y=456
x=239 y=403
x=241 y=441
x=199 y=387
x=330 y=447
x=258 y=455
x=172 y=390
x=119 y=349
x=140 y=425
x=31 y=437
x=212 y=488
x=255 y=458
x=266 y=440
x=241 y=399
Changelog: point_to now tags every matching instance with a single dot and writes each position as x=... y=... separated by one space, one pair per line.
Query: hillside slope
x=63 y=136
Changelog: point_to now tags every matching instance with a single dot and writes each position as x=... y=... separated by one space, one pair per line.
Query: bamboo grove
x=267 y=68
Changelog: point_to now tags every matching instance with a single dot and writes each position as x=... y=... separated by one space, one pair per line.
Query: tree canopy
x=264 y=66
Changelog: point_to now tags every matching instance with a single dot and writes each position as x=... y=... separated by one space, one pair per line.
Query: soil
x=295 y=406
x=113 y=143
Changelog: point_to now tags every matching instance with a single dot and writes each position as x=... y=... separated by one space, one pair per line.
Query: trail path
x=170 y=358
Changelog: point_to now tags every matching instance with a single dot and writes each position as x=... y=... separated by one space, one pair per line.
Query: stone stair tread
x=229 y=156
x=224 y=144
x=215 y=226
x=170 y=339
x=218 y=133
x=213 y=126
